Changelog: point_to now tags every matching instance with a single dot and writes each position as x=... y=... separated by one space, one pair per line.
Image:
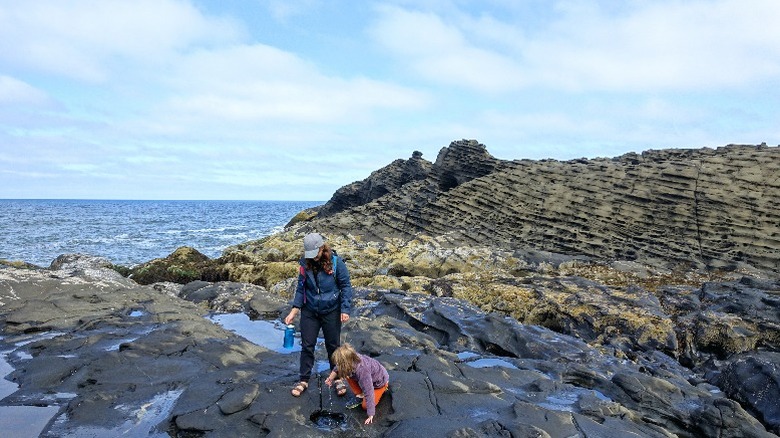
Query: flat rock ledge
x=119 y=358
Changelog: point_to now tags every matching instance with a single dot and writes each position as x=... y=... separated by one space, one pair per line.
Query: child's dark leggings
x=311 y=324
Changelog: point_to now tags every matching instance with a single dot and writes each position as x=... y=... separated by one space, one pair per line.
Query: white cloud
x=255 y=83
x=16 y=92
x=661 y=45
x=664 y=45
x=283 y=10
x=81 y=38
x=169 y=95
x=441 y=52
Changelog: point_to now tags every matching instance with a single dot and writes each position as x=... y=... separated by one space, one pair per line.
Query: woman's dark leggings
x=311 y=323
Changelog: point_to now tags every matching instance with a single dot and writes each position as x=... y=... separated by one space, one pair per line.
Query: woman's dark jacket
x=326 y=292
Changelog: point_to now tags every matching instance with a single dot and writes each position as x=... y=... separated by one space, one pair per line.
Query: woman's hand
x=370 y=419
x=291 y=316
x=344 y=317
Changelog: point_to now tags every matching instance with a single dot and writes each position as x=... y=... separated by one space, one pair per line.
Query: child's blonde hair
x=346 y=359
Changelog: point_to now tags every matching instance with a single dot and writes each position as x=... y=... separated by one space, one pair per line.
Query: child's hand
x=330 y=379
x=370 y=419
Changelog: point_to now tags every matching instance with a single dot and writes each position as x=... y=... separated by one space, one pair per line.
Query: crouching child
x=367 y=378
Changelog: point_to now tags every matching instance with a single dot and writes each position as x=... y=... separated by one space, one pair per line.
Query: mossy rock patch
x=182 y=266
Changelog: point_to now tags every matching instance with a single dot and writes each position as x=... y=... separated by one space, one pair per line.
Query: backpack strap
x=334 y=261
x=302 y=272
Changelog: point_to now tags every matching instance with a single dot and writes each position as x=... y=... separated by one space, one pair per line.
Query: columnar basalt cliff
x=710 y=209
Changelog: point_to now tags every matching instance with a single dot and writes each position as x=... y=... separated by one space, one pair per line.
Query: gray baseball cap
x=311 y=245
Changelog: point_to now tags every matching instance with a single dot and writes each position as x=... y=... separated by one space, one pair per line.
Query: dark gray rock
x=238 y=398
x=137 y=361
x=381 y=182
x=753 y=379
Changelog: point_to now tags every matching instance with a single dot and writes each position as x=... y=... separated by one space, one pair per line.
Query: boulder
x=183 y=265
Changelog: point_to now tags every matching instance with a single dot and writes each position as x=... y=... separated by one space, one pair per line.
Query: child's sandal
x=341 y=388
x=299 y=388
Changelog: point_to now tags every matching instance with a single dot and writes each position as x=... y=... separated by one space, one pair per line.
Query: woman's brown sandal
x=341 y=388
x=299 y=388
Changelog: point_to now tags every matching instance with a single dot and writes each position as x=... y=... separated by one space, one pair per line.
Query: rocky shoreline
x=484 y=335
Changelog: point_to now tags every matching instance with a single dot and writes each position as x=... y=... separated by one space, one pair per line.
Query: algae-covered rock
x=182 y=266
x=18 y=264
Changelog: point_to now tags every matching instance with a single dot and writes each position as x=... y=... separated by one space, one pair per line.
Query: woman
x=367 y=378
x=323 y=298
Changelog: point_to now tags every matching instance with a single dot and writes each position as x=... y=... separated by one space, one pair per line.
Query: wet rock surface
x=120 y=358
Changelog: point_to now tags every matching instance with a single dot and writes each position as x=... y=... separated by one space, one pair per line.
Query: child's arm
x=331 y=378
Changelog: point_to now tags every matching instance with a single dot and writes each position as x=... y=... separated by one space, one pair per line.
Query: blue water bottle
x=289 y=336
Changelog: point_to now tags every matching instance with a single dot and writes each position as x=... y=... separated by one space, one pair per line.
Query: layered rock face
x=381 y=182
x=712 y=209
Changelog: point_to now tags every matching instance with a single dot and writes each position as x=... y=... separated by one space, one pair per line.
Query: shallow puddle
x=6 y=387
x=490 y=362
x=565 y=401
x=328 y=420
x=263 y=333
x=20 y=421
x=475 y=360
x=142 y=421
x=25 y=421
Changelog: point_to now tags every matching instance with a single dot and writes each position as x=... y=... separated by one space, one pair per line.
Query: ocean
x=132 y=232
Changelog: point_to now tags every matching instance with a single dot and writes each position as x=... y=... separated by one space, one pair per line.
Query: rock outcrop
x=710 y=209
x=388 y=179
x=181 y=266
x=116 y=358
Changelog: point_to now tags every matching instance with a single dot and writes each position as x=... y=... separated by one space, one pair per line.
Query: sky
x=292 y=99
